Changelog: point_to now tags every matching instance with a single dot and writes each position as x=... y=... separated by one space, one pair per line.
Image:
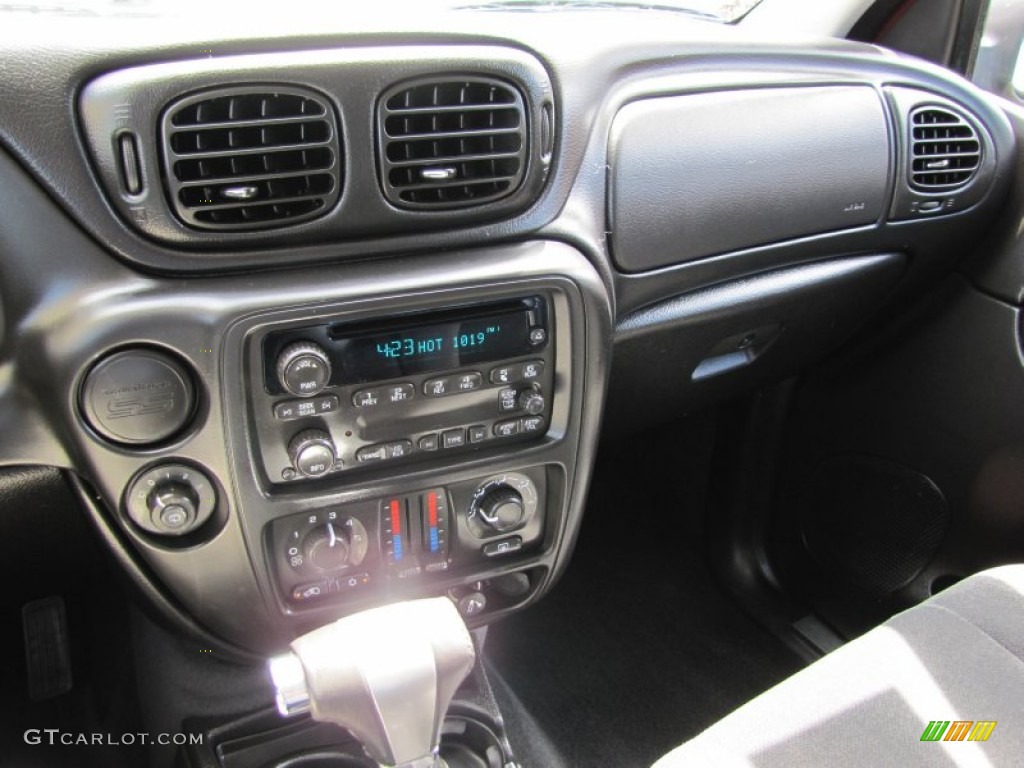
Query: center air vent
x=451 y=143
x=251 y=157
x=945 y=151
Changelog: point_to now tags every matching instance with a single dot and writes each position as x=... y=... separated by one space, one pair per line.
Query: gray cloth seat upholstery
x=958 y=656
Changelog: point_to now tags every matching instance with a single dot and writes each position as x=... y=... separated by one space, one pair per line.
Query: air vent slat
x=452 y=143
x=255 y=214
x=441 y=109
x=255 y=164
x=269 y=201
x=457 y=183
x=456 y=134
x=449 y=159
x=945 y=150
x=247 y=157
x=234 y=180
x=248 y=123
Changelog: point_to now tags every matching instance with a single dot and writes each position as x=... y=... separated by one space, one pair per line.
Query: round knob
x=171 y=499
x=326 y=547
x=312 y=452
x=472 y=604
x=303 y=368
x=172 y=506
x=502 y=508
x=532 y=402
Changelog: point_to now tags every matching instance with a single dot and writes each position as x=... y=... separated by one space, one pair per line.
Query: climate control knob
x=502 y=503
x=327 y=547
x=303 y=368
x=502 y=508
x=312 y=452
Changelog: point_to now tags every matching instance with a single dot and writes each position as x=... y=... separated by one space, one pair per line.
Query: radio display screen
x=439 y=346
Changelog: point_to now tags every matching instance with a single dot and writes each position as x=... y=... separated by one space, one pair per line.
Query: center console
x=280 y=451
x=340 y=398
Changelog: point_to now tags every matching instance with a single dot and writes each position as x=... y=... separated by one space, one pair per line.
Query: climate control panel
x=340 y=396
x=377 y=547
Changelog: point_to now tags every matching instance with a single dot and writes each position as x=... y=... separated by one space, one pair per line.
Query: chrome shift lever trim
x=387 y=675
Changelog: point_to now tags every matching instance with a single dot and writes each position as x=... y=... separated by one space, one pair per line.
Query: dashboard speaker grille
x=451 y=143
x=945 y=150
x=251 y=157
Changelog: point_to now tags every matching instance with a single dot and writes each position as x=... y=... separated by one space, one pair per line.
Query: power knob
x=502 y=508
x=312 y=452
x=303 y=368
x=326 y=547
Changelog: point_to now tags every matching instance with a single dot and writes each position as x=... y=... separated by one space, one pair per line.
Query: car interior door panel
x=527 y=383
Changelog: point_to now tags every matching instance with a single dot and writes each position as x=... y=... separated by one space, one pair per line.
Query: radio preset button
x=505 y=374
x=453 y=438
x=508 y=428
x=399 y=393
x=468 y=382
x=532 y=370
x=438 y=387
x=477 y=433
x=366 y=398
x=429 y=442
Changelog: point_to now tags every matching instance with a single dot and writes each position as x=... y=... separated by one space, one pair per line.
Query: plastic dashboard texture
x=100 y=305
x=698 y=175
x=67 y=299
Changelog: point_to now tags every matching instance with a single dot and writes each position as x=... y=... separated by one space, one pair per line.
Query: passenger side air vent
x=945 y=151
x=251 y=157
x=451 y=143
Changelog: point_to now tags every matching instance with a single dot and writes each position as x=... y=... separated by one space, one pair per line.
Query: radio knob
x=502 y=508
x=532 y=402
x=312 y=452
x=303 y=368
x=326 y=547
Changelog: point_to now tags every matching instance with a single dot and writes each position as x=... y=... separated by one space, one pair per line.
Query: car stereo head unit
x=342 y=395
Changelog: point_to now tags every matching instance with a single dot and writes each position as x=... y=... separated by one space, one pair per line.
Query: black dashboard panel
x=275 y=507
x=698 y=175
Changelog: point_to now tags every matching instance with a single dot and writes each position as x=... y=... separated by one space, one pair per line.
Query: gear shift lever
x=387 y=675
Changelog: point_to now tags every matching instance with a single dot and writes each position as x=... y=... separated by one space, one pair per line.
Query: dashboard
x=320 y=318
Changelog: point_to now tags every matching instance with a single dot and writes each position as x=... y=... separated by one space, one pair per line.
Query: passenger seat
x=922 y=689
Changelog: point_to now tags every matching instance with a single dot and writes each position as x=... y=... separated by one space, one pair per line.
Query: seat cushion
x=956 y=657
